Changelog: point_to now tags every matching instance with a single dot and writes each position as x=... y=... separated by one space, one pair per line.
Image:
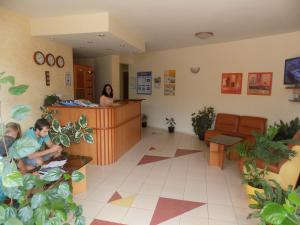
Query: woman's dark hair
x=41 y=123
x=105 y=93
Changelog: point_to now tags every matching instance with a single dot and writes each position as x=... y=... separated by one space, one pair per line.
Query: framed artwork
x=170 y=82
x=259 y=83
x=144 y=83
x=231 y=83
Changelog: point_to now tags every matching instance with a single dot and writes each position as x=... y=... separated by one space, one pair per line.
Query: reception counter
x=115 y=129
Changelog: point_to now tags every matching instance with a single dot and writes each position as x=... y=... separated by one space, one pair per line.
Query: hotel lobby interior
x=223 y=74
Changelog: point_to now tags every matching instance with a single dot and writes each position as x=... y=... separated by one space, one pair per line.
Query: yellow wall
x=193 y=91
x=17 y=48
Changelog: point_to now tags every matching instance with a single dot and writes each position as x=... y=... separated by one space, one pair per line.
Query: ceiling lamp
x=204 y=35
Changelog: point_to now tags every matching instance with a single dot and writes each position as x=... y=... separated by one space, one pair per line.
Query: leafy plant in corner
x=32 y=199
x=171 y=124
x=287 y=130
x=203 y=120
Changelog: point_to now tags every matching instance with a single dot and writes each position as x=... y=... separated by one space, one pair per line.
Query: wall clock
x=50 y=59
x=60 y=62
x=39 y=58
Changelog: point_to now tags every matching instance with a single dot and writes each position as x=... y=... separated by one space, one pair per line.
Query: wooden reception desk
x=115 y=129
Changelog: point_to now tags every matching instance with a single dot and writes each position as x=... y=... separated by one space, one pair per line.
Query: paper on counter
x=53 y=164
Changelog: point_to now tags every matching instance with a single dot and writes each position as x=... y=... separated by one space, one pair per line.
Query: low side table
x=217 y=148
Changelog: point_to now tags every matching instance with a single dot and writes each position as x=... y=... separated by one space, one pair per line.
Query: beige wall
x=17 y=48
x=193 y=91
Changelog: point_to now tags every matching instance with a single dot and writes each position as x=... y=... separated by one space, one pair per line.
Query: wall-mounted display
x=231 y=83
x=170 y=82
x=259 y=83
x=60 y=62
x=39 y=58
x=144 y=83
x=50 y=59
x=157 y=82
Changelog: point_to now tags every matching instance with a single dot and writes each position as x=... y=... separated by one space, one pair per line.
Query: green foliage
x=203 y=120
x=51 y=100
x=287 y=213
x=71 y=132
x=252 y=175
x=170 y=122
x=287 y=130
x=34 y=200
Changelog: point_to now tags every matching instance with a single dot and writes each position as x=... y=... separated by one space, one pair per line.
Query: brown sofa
x=235 y=125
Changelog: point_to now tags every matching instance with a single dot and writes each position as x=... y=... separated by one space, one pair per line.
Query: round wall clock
x=50 y=59
x=60 y=62
x=39 y=58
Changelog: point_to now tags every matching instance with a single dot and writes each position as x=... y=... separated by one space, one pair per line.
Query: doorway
x=124 y=81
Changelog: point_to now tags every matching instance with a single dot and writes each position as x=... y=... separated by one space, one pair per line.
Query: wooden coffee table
x=217 y=148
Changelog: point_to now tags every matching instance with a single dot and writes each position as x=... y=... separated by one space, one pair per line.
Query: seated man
x=40 y=134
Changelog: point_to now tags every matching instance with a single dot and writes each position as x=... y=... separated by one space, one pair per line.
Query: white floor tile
x=138 y=217
x=112 y=213
x=221 y=212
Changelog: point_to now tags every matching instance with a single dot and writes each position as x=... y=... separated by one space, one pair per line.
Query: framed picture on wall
x=259 y=83
x=144 y=83
x=231 y=83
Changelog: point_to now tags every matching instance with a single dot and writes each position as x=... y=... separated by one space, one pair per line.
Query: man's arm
x=41 y=153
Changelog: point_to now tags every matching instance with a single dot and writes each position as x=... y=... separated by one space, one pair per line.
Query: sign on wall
x=170 y=82
x=144 y=83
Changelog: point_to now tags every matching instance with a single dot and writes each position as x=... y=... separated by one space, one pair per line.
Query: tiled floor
x=179 y=188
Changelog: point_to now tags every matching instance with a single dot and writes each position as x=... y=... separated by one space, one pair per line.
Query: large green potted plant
x=203 y=120
x=287 y=130
x=32 y=199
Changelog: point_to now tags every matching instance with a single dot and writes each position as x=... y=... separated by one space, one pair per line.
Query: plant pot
x=251 y=191
x=171 y=129
x=144 y=124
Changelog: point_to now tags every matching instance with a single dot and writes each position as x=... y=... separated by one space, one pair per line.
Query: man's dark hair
x=41 y=123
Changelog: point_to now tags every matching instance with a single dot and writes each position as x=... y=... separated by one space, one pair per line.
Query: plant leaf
x=18 y=90
x=294 y=198
x=23 y=147
x=77 y=176
x=25 y=214
x=19 y=112
x=64 y=140
x=88 y=138
x=64 y=190
x=53 y=175
x=56 y=126
x=82 y=121
x=40 y=215
x=273 y=213
x=78 y=134
x=14 y=179
x=8 y=79
x=37 y=200
x=80 y=220
x=13 y=221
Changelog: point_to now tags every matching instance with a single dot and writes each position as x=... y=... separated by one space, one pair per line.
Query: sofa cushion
x=227 y=122
x=248 y=124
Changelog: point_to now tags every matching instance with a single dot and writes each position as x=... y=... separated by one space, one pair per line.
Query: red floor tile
x=181 y=152
x=116 y=196
x=102 y=222
x=168 y=208
x=150 y=159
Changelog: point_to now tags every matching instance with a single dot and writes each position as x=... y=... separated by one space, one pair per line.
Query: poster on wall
x=231 y=83
x=157 y=82
x=259 y=83
x=144 y=83
x=170 y=82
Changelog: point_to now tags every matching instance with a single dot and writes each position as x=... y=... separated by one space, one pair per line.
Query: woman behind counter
x=106 y=98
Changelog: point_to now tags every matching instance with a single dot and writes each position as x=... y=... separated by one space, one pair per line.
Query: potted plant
x=203 y=120
x=32 y=199
x=144 y=120
x=287 y=130
x=171 y=124
x=51 y=100
x=272 y=193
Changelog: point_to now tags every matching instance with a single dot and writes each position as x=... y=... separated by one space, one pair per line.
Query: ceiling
x=166 y=24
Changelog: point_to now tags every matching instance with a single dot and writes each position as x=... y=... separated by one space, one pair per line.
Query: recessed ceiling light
x=204 y=35
x=101 y=35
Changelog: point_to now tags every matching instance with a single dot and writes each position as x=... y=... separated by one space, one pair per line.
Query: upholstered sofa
x=236 y=125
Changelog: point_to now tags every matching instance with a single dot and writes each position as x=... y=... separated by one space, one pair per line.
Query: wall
x=194 y=91
x=16 y=58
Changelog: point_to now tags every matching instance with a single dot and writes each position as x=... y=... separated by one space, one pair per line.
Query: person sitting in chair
x=40 y=133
